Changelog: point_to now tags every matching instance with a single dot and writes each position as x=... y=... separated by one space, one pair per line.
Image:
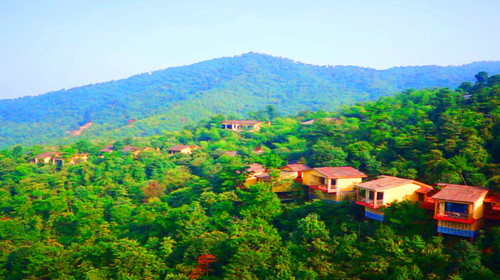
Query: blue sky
x=49 y=45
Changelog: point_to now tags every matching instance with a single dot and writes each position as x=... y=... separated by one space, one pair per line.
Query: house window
x=322 y=181
x=333 y=182
x=456 y=207
x=371 y=194
x=380 y=196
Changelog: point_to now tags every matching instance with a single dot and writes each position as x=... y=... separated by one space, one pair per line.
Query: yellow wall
x=288 y=174
x=309 y=179
x=401 y=193
x=478 y=208
x=347 y=184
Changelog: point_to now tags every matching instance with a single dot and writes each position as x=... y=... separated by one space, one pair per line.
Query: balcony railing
x=322 y=188
x=492 y=211
x=368 y=202
x=428 y=203
x=456 y=215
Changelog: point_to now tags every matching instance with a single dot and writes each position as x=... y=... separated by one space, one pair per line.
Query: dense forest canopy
x=171 y=98
x=155 y=216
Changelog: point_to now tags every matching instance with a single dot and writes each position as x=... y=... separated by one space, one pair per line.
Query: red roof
x=424 y=189
x=49 y=154
x=493 y=198
x=255 y=167
x=231 y=153
x=298 y=167
x=244 y=122
x=389 y=182
x=460 y=193
x=130 y=149
x=340 y=172
x=108 y=149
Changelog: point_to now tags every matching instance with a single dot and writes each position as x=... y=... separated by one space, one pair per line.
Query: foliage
x=156 y=216
x=170 y=99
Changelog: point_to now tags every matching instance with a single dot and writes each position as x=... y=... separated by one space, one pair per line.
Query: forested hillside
x=155 y=216
x=171 y=98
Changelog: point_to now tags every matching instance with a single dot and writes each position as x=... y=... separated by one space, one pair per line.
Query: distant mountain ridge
x=237 y=85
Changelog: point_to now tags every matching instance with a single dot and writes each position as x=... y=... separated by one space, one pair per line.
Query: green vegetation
x=156 y=216
x=172 y=98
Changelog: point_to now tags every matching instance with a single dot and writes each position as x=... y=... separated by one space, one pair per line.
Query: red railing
x=428 y=203
x=323 y=188
x=455 y=217
x=492 y=211
x=367 y=202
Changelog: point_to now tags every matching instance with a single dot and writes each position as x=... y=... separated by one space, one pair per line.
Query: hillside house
x=108 y=149
x=45 y=157
x=387 y=189
x=59 y=159
x=459 y=209
x=285 y=186
x=256 y=172
x=183 y=149
x=332 y=183
x=258 y=150
x=296 y=170
x=126 y=149
x=80 y=157
x=231 y=153
x=244 y=125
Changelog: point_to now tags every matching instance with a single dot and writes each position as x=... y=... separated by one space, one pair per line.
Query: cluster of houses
x=58 y=159
x=459 y=209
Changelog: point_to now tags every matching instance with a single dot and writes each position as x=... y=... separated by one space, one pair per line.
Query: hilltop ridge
x=235 y=85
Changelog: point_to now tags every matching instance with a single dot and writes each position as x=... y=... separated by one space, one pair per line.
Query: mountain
x=168 y=99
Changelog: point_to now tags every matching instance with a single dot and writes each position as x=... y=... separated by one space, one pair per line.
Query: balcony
x=454 y=217
x=323 y=188
x=428 y=203
x=492 y=211
x=368 y=202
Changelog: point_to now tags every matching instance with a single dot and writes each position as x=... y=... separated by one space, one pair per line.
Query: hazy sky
x=48 y=45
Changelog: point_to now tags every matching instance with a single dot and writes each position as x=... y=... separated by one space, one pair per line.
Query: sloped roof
x=242 y=122
x=181 y=147
x=108 y=149
x=493 y=198
x=255 y=167
x=44 y=155
x=460 y=193
x=258 y=150
x=388 y=182
x=298 y=167
x=231 y=153
x=130 y=148
x=340 y=172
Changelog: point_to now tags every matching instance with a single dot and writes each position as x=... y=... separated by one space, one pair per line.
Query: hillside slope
x=232 y=85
